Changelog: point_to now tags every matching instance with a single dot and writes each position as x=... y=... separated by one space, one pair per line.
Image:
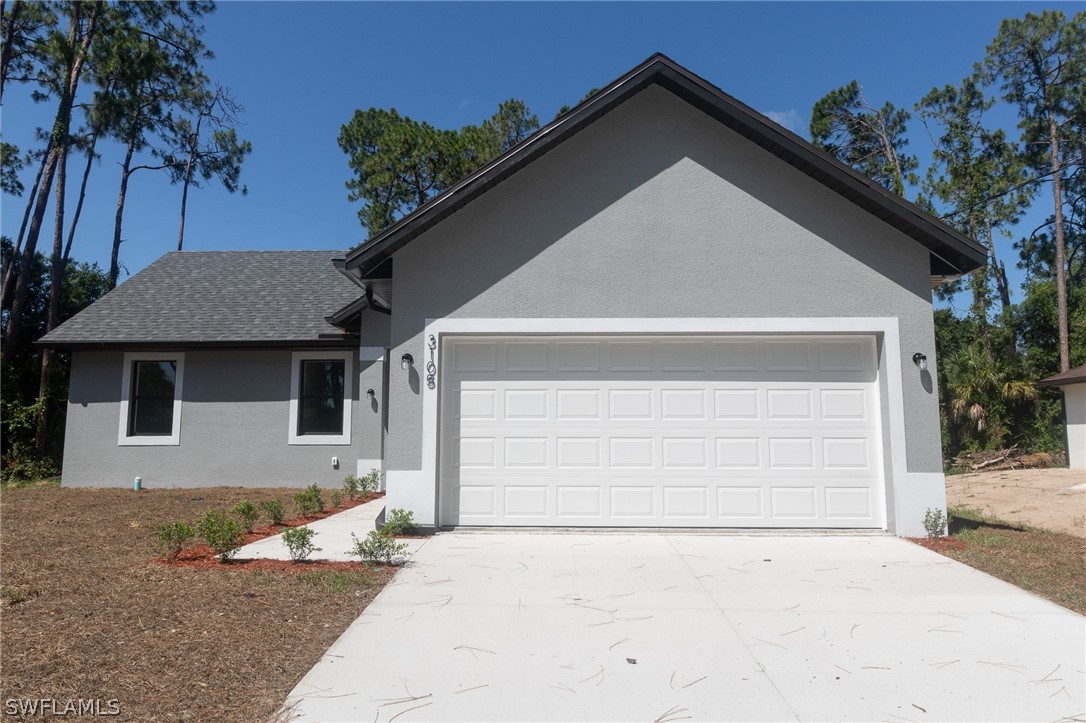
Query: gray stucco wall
x=234 y=423
x=657 y=210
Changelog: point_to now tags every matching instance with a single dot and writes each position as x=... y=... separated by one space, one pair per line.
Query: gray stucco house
x=662 y=309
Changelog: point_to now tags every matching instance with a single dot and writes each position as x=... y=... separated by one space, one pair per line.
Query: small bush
x=247 y=511
x=309 y=501
x=399 y=521
x=352 y=487
x=336 y=498
x=378 y=546
x=371 y=481
x=934 y=523
x=299 y=542
x=222 y=533
x=274 y=510
x=171 y=538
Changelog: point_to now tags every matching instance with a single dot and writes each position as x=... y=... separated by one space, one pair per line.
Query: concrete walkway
x=332 y=535
x=661 y=627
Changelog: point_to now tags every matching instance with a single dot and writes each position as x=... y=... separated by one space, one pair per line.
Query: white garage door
x=616 y=431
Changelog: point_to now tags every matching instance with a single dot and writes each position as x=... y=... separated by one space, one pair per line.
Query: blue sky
x=301 y=69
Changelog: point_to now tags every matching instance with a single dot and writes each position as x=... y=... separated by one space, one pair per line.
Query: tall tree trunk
x=184 y=203
x=26 y=261
x=56 y=278
x=118 y=219
x=9 y=271
x=891 y=154
x=999 y=271
x=978 y=282
x=9 y=34
x=194 y=142
x=82 y=197
x=1061 y=249
x=61 y=125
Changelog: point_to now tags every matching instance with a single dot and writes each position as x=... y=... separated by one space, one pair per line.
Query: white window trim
x=174 y=438
x=295 y=389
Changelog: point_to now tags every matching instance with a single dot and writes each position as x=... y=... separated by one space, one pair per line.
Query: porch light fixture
x=406 y=361
x=920 y=361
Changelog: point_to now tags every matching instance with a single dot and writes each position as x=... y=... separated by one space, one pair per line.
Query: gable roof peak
x=951 y=252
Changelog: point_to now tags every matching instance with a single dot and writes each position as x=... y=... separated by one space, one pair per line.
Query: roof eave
x=334 y=341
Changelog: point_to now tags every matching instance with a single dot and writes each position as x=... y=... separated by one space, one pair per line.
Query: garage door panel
x=848 y=502
x=748 y=432
x=521 y=357
x=633 y=502
x=573 y=501
x=741 y=503
x=685 y=502
x=734 y=356
x=629 y=357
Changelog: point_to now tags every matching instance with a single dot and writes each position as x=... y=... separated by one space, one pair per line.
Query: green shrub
x=934 y=523
x=222 y=533
x=299 y=542
x=378 y=546
x=336 y=497
x=274 y=510
x=247 y=511
x=309 y=501
x=399 y=521
x=371 y=481
x=22 y=462
x=171 y=538
x=352 y=486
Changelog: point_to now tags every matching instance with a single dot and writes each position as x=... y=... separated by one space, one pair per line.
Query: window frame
x=347 y=357
x=124 y=439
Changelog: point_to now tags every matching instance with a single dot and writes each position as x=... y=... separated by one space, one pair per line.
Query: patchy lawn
x=86 y=613
x=1050 y=564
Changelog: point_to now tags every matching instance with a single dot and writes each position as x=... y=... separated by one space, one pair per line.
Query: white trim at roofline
x=424 y=484
x=296 y=359
x=174 y=438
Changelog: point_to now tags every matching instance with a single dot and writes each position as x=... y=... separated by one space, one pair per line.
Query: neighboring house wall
x=1074 y=397
x=234 y=423
x=659 y=211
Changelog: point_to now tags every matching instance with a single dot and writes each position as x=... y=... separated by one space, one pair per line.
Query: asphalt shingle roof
x=1071 y=376
x=216 y=297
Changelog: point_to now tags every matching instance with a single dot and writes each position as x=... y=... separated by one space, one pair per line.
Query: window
x=320 y=398
x=151 y=398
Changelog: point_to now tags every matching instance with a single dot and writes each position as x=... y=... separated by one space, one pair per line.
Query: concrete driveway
x=668 y=627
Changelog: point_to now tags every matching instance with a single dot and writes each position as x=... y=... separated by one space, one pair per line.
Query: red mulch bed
x=202 y=557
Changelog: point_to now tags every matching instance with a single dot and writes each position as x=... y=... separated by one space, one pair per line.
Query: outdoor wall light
x=921 y=361
x=406 y=361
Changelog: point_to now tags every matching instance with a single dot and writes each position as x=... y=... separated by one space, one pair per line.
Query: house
x=1073 y=385
x=662 y=309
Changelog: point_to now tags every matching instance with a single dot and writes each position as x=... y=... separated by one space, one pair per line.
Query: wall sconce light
x=920 y=361
x=370 y=393
x=406 y=361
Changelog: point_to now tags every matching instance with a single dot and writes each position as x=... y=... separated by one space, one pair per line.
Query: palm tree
x=980 y=391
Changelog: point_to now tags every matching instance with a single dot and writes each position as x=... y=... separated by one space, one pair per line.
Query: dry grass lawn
x=1050 y=564
x=86 y=613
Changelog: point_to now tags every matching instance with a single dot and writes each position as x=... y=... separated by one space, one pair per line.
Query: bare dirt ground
x=1043 y=498
x=88 y=613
